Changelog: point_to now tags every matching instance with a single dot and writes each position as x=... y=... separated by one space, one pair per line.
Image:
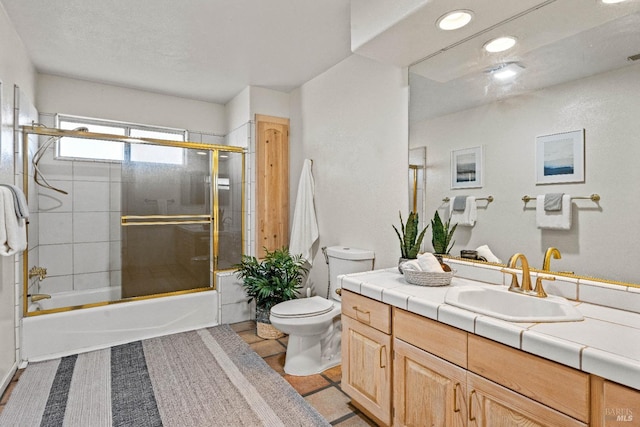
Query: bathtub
x=52 y=335
x=70 y=299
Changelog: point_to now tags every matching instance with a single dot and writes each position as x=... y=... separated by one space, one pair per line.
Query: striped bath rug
x=208 y=377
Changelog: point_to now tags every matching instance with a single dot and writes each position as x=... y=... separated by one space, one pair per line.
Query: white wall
x=15 y=69
x=352 y=121
x=602 y=236
x=78 y=97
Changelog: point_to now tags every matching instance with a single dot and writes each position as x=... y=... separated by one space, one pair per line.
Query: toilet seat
x=303 y=307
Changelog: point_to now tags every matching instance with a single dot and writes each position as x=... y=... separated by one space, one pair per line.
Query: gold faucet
x=526 y=277
x=39 y=297
x=547 y=257
x=41 y=272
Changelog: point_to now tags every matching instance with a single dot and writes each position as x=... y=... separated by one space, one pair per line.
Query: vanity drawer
x=557 y=386
x=366 y=310
x=442 y=340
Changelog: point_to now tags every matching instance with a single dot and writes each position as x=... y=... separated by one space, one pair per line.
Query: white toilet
x=313 y=324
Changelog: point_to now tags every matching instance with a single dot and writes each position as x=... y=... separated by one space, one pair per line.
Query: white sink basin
x=512 y=306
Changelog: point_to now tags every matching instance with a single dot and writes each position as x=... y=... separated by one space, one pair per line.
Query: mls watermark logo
x=618 y=414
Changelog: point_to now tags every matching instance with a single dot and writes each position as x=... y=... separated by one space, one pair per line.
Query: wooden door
x=491 y=405
x=272 y=176
x=366 y=368
x=428 y=391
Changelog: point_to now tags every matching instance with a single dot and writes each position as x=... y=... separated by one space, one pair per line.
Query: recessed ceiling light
x=505 y=72
x=500 y=44
x=612 y=1
x=454 y=20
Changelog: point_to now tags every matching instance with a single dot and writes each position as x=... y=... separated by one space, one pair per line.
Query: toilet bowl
x=313 y=324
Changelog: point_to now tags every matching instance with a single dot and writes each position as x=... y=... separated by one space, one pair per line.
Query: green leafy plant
x=274 y=279
x=410 y=240
x=442 y=234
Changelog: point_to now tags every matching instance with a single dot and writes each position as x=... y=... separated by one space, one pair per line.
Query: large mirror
x=575 y=67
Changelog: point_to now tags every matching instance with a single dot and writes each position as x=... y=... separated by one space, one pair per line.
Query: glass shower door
x=166 y=203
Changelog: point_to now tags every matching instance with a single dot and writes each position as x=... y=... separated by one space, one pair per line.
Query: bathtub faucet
x=41 y=272
x=39 y=297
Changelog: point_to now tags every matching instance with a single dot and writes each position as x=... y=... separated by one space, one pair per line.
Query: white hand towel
x=486 y=253
x=467 y=217
x=429 y=263
x=13 y=230
x=411 y=265
x=556 y=220
x=304 y=230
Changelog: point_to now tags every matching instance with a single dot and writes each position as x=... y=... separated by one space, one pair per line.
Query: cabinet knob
x=339 y=291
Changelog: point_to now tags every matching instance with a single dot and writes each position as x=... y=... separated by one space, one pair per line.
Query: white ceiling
x=212 y=49
x=561 y=41
x=199 y=49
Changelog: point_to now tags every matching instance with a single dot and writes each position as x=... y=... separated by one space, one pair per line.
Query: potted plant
x=270 y=281
x=410 y=240
x=441 y=235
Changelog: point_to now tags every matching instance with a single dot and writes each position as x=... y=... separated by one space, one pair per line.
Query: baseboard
x=7 y=379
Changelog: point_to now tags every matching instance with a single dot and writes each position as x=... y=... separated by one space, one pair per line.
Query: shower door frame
x=214 y=220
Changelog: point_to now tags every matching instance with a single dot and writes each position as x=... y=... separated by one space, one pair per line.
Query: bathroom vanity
x=408 y=358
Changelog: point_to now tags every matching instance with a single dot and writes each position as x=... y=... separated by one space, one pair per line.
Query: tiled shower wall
x=79 y=233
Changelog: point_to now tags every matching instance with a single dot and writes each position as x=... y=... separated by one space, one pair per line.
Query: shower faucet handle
x=41 y=272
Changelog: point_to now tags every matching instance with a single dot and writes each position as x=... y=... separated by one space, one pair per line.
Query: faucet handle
x=539 y=290
x=514 y=279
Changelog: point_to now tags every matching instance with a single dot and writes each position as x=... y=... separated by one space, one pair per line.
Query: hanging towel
x=556 y=220
x=13 y=230
x=467 y=217
x=553 y=202
x=19 y=201
x=459 y=203
x=304 y=230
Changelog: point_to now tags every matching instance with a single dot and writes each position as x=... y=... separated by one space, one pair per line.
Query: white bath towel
x=467 y=217
x=13 y=230
x=304 y=230
x=556 y=220
x=19 y=201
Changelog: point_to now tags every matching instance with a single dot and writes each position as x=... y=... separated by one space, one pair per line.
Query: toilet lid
x=303 y=307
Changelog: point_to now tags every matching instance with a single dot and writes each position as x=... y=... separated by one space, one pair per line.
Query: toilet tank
x=346 y=260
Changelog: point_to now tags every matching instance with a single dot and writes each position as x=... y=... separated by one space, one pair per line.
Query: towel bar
x=488 y=199
x=594 y=198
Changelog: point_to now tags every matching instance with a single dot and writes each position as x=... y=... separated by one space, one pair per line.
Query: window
x=115 y=151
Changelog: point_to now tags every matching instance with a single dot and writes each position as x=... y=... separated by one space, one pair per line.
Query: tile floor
x=322 y=391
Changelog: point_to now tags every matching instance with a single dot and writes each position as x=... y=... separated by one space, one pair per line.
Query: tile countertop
x=606 y=343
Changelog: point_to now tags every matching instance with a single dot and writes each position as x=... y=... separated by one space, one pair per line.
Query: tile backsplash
x=578 y=289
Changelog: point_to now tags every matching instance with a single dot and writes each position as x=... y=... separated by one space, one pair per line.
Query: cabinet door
x=491 y=405
x=613 y=405
x=428 y=391
x=272 y=175
x=366 y=368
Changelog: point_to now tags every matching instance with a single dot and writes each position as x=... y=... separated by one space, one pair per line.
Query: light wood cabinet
x=443 y=376
x=552 y=384
x=491 y=405
x=272 y=176
x=613 y=405
x=366 y=356
x=427 y=391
